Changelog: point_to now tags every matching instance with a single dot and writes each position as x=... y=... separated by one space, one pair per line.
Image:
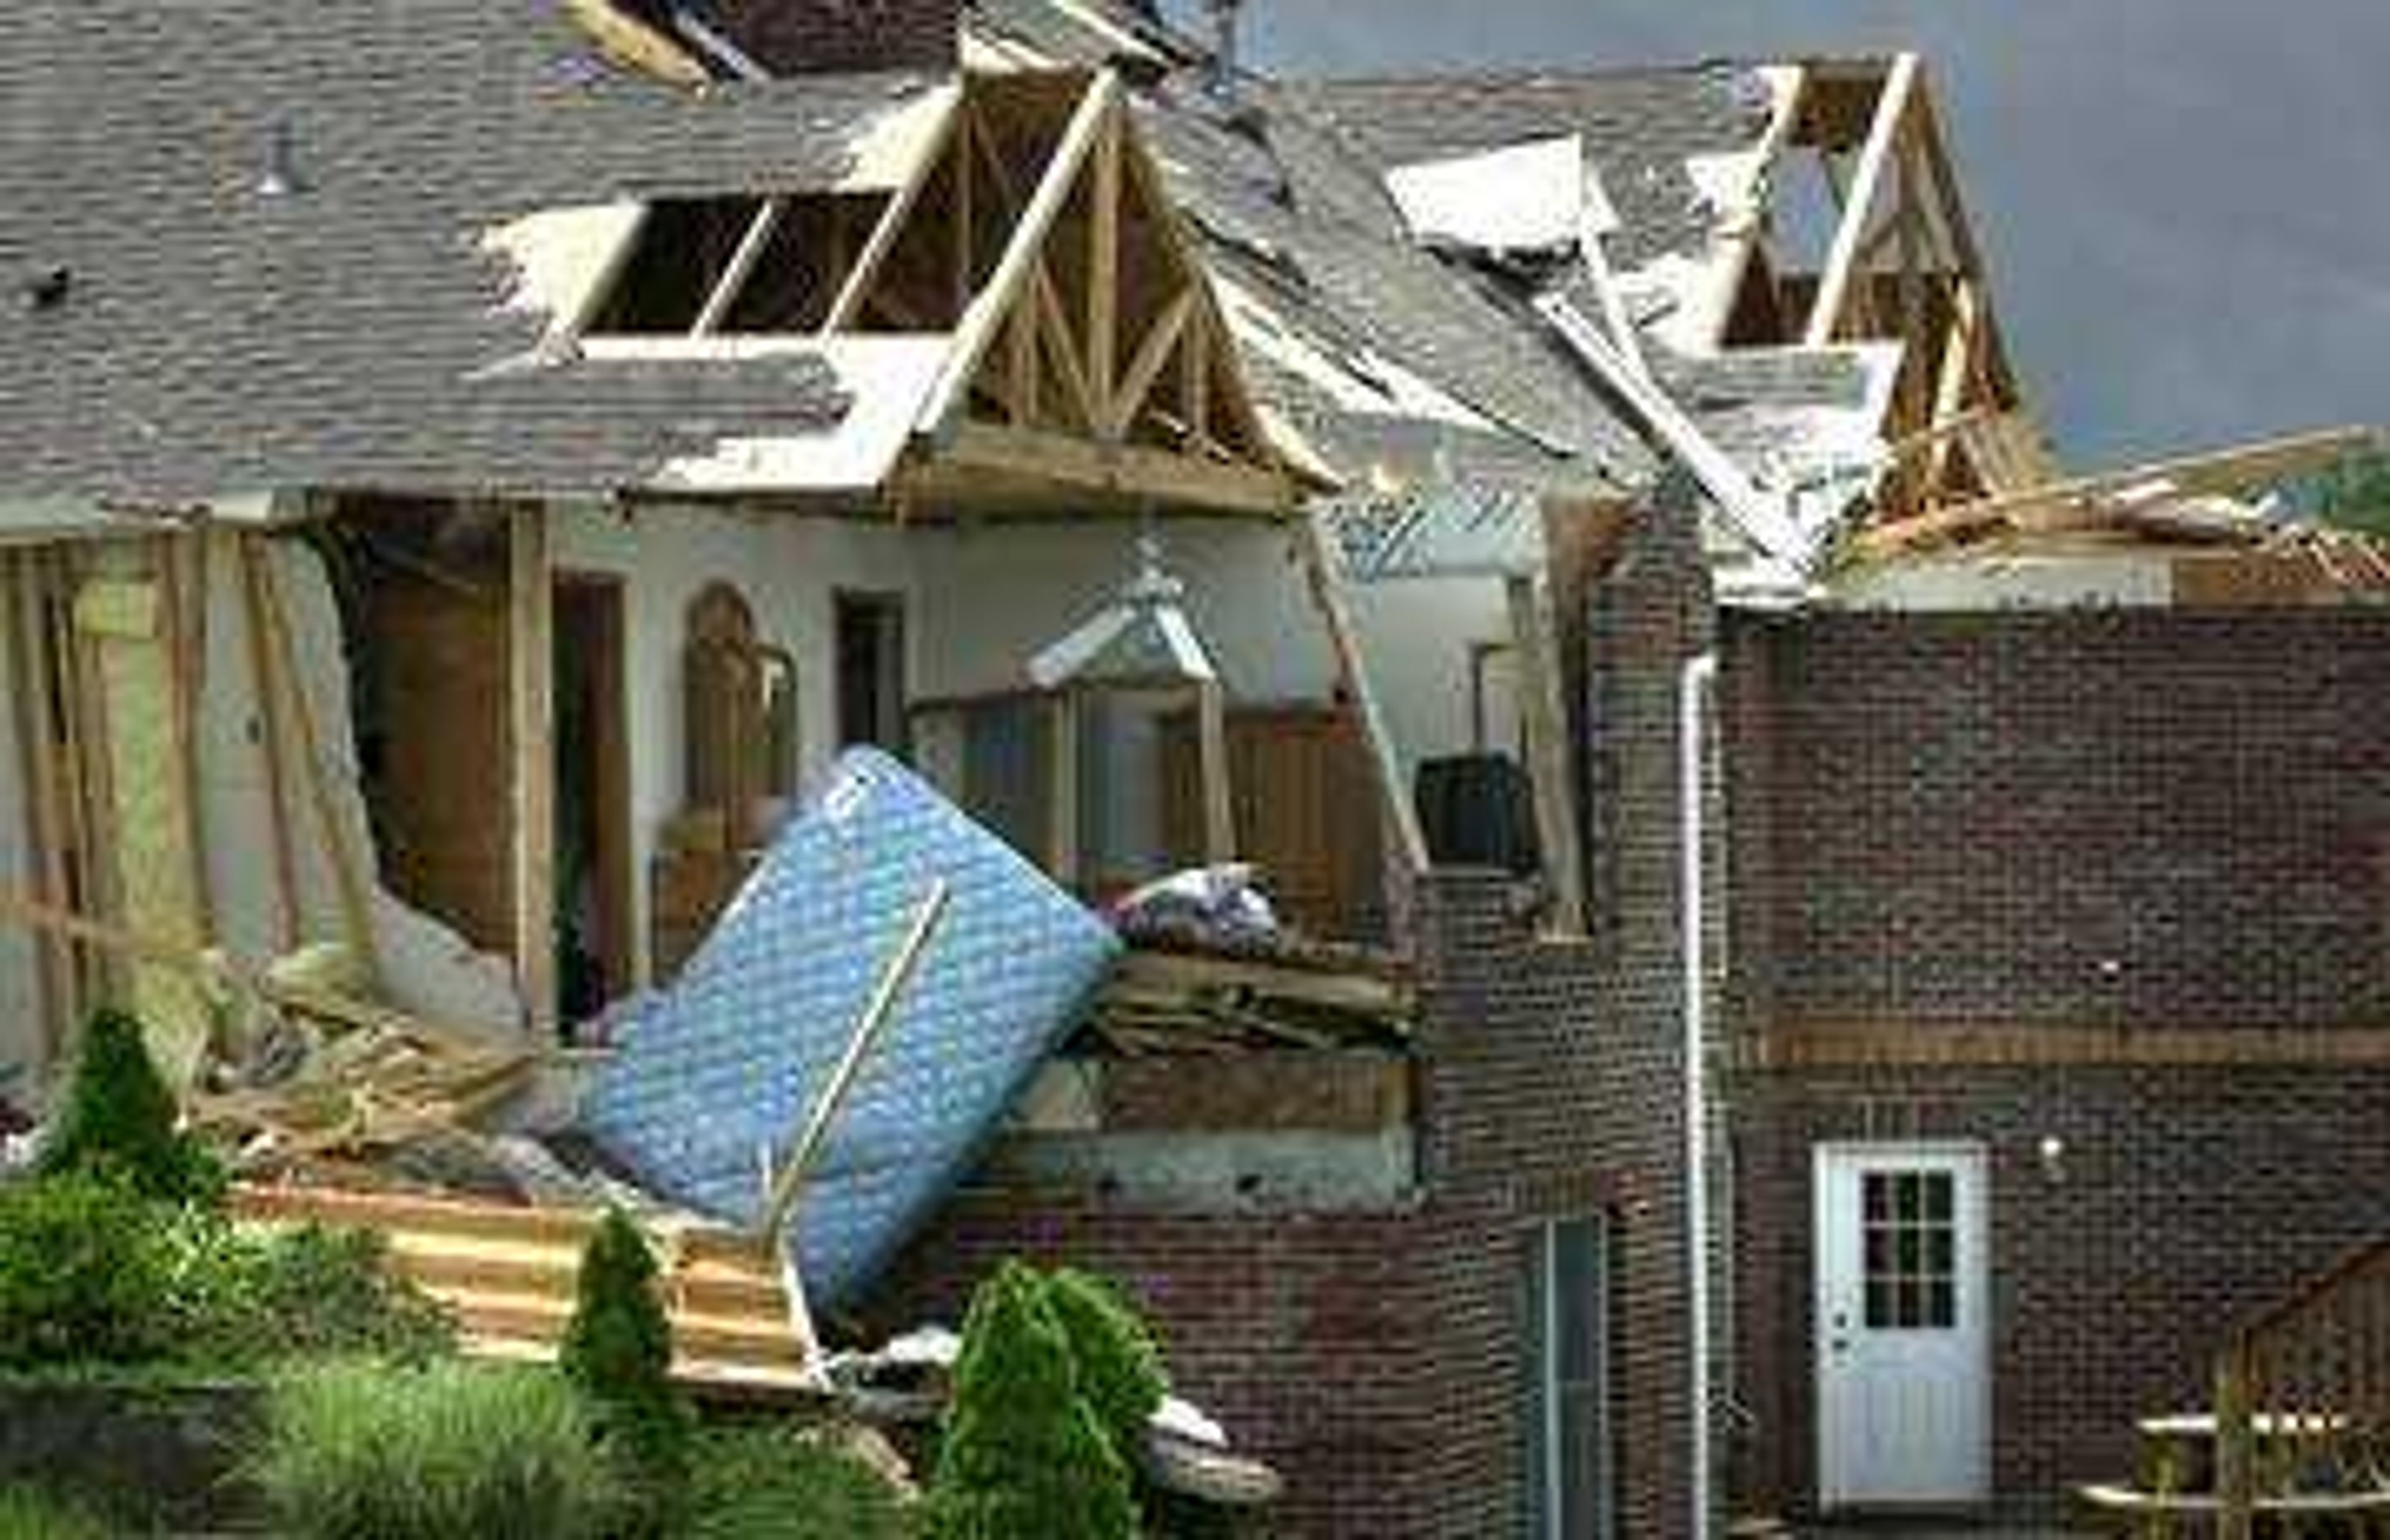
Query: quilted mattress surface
x=725 y=1063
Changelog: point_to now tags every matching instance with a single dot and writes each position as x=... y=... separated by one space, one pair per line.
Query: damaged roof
x=1642 y=128
x=261 y=257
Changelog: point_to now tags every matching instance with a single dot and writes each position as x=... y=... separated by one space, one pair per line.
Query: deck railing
x=2303 y=1397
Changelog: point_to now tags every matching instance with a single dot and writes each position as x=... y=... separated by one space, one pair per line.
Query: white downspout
x=1692 y=701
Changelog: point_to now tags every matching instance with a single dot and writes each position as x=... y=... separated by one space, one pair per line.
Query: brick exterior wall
x=2075 y=818
x=800 y=37
x=2126 y=818
x=1376 y=1359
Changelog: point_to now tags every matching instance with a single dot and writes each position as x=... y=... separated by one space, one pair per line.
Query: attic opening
x=742 y=264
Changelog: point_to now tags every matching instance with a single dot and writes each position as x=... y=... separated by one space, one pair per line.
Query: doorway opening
x=596 y=957
x=871 y=642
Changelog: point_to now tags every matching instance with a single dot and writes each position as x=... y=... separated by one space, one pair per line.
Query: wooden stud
x=1146 y=365
x=1213 y=772
x=84 y=784
x=1328 y=594
x=1055 y=326
x=1103 y=266
x=961 y=213
x=1549 y=760
x=1062 y=828
x=1021 y=371
x=1955 y=369
x=349 y=870
x=530 y=692
x=752 y=246
x=1842 y=261
x=1195 y=383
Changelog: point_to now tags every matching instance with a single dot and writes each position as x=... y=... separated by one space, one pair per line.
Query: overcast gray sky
x=2186 y=203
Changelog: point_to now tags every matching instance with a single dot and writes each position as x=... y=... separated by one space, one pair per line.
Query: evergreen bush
x=617 y=1350
x=118 y=1121
x=82 y=1274
x=1119 y=1363
x=1024 y=1456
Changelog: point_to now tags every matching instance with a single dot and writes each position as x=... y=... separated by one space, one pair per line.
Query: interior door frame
x=1974 y=1211
x=617 y=875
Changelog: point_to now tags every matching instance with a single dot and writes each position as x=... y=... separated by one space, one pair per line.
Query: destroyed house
x=470 y=471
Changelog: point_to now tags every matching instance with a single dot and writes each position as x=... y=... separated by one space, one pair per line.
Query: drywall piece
x=1216 y=1172
x=889 y=150
x=563 y=258
x=424 y=966
x=1531 y=197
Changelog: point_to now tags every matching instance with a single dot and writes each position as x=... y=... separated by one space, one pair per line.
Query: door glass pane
x=1908 y=1250
x=1568 y=1433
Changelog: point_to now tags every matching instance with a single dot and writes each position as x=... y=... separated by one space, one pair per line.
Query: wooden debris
x=1174 y=1002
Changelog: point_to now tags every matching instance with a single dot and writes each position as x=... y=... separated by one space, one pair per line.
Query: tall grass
x=358 y=1451
x=29 y=1514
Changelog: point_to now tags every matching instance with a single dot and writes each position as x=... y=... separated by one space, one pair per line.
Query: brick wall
x=797 y=37
x=1376 y=1359
x=2126 y=818
x=2078 y=817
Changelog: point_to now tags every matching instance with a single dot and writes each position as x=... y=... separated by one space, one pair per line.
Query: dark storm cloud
x=2186 y=202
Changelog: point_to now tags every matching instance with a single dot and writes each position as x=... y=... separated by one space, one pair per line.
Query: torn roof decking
x=357 y=329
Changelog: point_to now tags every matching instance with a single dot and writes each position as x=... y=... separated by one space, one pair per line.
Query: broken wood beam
x=1843 y=259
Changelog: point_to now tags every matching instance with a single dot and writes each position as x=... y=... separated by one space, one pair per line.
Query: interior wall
x=1417 y=635
x=788 y=567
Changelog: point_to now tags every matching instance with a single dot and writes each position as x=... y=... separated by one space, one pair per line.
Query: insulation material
x=152 y=851
x=724 y=1067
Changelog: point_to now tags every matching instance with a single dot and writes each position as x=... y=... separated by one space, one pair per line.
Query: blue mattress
x=727 y=1061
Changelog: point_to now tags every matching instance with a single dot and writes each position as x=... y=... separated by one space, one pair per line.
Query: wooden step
x=510 y=1274
x=541 y=1317
x=712 y=1379
x=2196 y=1505
x=441 y=1260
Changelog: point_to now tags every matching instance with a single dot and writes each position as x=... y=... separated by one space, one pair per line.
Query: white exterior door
x=1904 y=1370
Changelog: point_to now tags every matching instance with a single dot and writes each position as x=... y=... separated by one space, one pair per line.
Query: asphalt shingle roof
x=1639 y=128
x=353 y=331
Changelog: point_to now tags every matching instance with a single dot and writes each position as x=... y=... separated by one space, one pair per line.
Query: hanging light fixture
x=1143 y=637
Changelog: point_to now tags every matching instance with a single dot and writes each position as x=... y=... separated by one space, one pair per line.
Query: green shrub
x=26 y=1513
x=244 y=1297
x=1119 y=1363
x=357 y=1451
x=618 y=1351
x=118 y=1121
x=1024 y=1457
x=82 y=1274
x=768 y=1484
